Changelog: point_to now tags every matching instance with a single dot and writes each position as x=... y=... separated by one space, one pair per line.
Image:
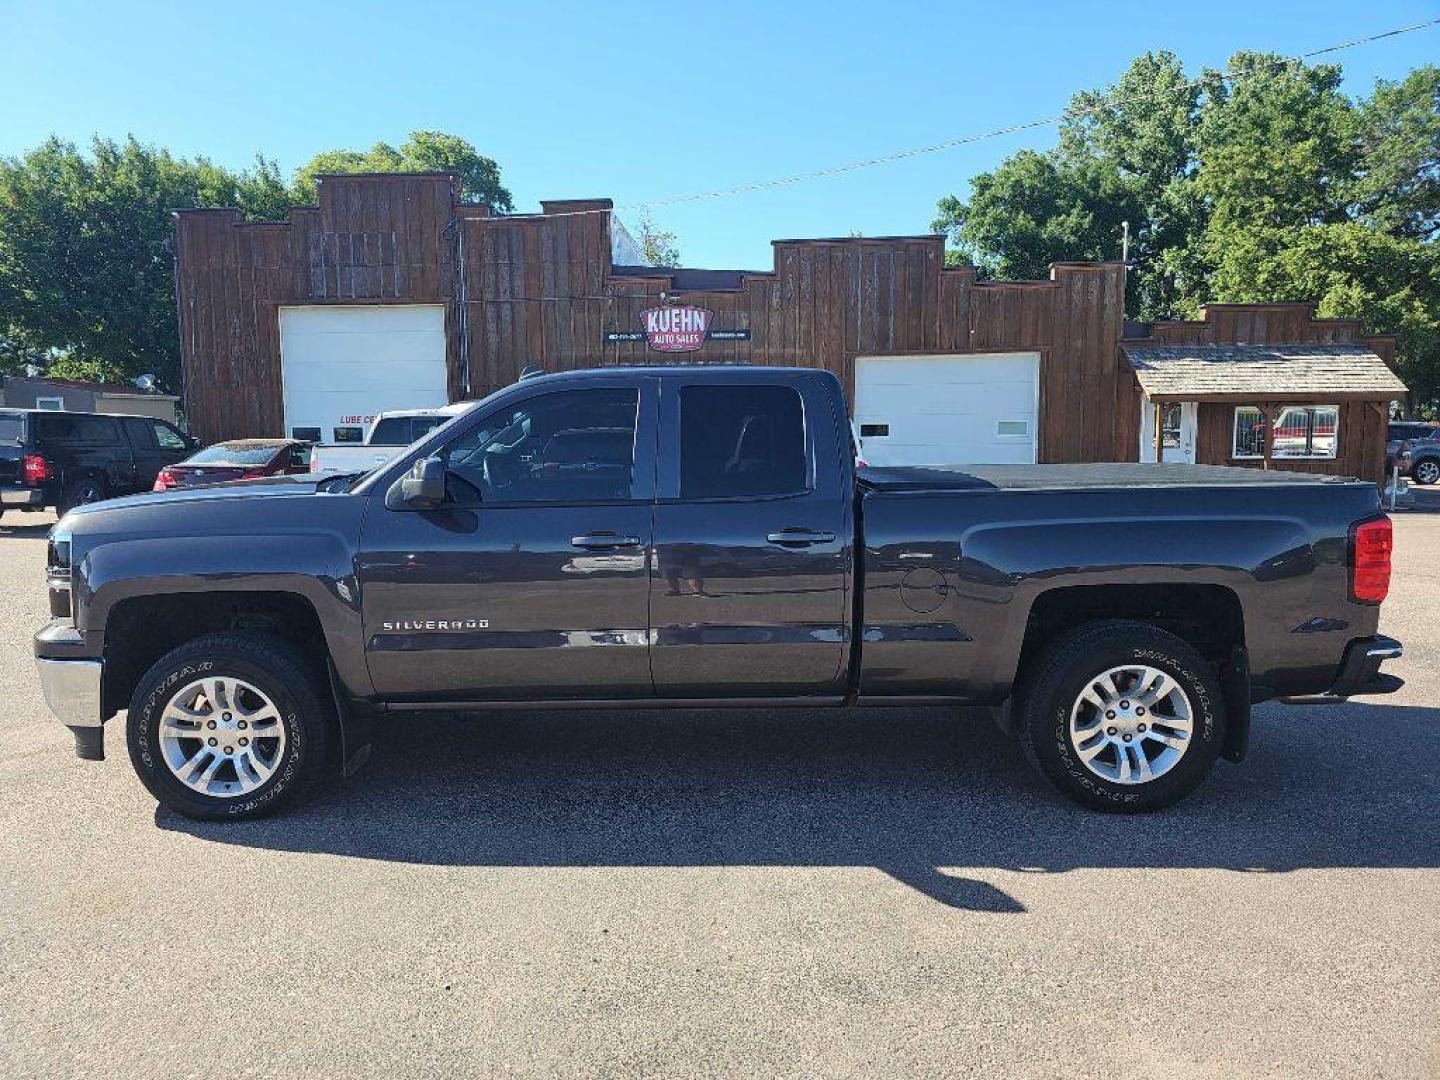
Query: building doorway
x=1177 y=430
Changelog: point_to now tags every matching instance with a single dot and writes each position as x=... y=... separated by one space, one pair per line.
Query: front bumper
x=72 y=688
x=1360 y=672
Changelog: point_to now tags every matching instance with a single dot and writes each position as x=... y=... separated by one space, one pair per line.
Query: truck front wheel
x=228 y=726
x=1121 y=716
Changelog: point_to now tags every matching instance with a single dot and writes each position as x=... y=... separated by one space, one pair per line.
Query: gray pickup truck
x=702 y=536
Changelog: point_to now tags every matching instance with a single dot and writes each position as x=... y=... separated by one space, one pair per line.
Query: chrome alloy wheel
x=1131 y=724
x=221 y=737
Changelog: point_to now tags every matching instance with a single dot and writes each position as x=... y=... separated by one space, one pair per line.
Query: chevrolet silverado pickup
x=703 y=536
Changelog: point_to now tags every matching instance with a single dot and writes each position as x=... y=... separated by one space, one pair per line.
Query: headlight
x=57 y=572
x=57 y=555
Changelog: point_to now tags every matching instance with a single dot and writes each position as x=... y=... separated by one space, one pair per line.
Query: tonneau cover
x=1081 y=477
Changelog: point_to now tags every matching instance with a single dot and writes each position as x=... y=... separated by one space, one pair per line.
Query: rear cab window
x=404 y=430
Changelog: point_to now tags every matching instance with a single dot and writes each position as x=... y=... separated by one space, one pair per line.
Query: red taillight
x=252 y=474
x=1371 y=543
x=164 y=480
x=35 y=469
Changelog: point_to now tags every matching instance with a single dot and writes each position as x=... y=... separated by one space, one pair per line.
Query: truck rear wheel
x=1121 y=716
x=227 y=727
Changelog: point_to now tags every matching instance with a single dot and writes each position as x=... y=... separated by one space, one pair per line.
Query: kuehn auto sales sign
x=676 y=329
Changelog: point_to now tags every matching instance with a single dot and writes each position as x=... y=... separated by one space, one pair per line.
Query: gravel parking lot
x=753 y=893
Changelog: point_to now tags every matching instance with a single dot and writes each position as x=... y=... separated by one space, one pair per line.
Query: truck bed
x=1093 y=477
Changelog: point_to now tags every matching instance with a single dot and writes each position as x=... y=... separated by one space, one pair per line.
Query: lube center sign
x=676 y=329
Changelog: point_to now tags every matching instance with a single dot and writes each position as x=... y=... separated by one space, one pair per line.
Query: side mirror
x=423 y=487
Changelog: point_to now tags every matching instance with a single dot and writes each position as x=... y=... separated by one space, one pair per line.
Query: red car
x=238 y=459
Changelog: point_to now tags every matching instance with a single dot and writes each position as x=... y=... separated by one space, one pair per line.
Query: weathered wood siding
x=1362 y=424
x=540 y=289
x=371 y=240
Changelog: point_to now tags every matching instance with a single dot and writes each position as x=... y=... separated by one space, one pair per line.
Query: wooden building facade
x=544 y=290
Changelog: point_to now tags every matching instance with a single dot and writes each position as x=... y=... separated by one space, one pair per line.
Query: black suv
x=66 y=459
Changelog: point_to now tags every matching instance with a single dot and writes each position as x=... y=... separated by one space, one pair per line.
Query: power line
x=948 y=144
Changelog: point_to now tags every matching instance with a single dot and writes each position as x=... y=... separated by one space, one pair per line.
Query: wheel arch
x=1208 y=616
x=142 y=628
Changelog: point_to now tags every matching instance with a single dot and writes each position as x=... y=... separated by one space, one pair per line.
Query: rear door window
x=140 y=433
x=81 y=428
x=741 y=441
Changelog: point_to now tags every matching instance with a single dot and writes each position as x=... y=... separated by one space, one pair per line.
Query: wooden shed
x=1265 y=386
x=392 y=288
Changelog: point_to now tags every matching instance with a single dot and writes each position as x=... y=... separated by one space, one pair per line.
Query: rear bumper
x=72 y=688
x=22 y=497
x=1360 y=672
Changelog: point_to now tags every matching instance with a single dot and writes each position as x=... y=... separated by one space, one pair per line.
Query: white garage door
x=947 y=410
x=342 y=365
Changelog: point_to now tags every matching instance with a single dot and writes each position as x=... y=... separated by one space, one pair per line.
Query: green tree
x=1263 y=181
x=1399 y=189
x=423 y=151
x=85 y=274
x=657 y=245
x=1144 y=126
x=1037 y=209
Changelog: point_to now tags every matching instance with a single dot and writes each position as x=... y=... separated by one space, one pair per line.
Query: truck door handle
x=598 y=541
x=799 y=537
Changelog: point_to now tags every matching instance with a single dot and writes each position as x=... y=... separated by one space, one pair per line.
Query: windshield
x=12 y=427
x=235 y=454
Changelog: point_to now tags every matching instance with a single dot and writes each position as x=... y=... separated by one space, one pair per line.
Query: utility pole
x=1125 y=242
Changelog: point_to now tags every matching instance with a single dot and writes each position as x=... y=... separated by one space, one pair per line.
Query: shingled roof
x=1262 y=372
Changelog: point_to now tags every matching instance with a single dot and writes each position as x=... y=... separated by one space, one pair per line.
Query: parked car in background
x=238 y=459
x=391 y=433
x=1415 y=447
x=1401 y=430
x=67 y=459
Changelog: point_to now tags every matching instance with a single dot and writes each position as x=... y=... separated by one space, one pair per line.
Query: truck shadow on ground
x=914 y=792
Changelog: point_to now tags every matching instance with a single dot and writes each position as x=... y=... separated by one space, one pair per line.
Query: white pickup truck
x=388 y=435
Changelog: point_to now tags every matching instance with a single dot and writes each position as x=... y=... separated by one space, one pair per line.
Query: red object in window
x=1371 y=543
x=164 y=480
x=35 y=469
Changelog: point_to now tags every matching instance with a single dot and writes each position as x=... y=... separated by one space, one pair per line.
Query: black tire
x=1053 y=683
x=270 y=666
x=1425 y=471
x=81 y=492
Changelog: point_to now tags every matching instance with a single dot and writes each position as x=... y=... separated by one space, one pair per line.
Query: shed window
x=1301 y=432
x=1306 y=431
x=1249 y=432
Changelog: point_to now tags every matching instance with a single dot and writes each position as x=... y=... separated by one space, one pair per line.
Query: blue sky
x=641 y=101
